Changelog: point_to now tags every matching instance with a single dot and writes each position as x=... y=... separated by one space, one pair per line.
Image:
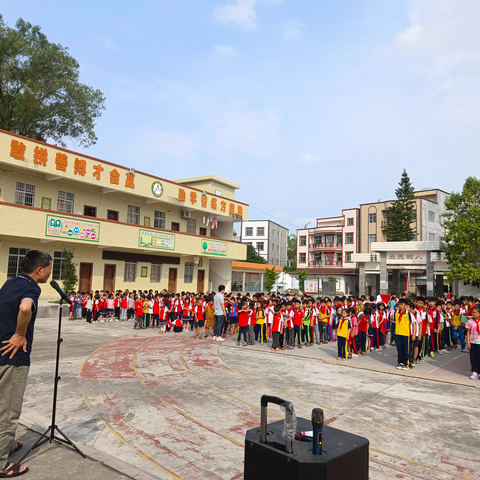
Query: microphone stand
x=49 y=434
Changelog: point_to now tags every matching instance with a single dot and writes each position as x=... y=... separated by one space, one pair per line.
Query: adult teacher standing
x=219 y=312
x=18 y=310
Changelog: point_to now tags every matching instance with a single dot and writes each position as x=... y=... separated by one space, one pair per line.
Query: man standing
x=219 y=312
x=18 y=310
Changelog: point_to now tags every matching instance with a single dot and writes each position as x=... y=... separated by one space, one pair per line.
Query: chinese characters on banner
x=407 y=258
x=193 y=199
x=80 y=166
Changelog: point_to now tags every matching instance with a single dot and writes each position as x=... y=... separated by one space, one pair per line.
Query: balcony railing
x=319 y=246
x=327 y=264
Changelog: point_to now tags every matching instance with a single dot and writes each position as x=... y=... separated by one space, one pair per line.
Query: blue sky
x=310 y=105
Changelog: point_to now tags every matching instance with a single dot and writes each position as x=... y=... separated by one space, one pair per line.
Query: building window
x=303 y=257
x=191 y=226
x=250 y=243
x=339 y=258
x=442 y=239
x=260 y=246
x=159 y=219
x=130 y=272
x=218 y=192
x=372 y=218
x=349 y=238
x=303 y=241
x=24 y=194
x=349 y=221
x=348 y=257
x=415 y=215
x=112 y=215
x=202 y=231
x=339 y=240
x=57 y=265
x=431 y=237
x=156 y=273
x=175 y=227
x=249 y=231
x=133 y=214
x=188 y=272
x=431 y=216
x=15 y=261
x=260 y=231
x=372 y=238
x=65 y=202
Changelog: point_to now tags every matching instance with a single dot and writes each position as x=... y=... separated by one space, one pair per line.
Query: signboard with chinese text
x=154 y=239
x=406 y=258
x=74 y=228
x=217 y=249
x=310 y=286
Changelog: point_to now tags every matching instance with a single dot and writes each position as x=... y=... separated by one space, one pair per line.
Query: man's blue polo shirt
x=11 y=295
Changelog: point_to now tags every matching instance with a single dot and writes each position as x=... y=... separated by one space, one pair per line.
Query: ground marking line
x=441 y=366
x=216 y=388
x=421 y=464
x=354 y=416
x=370 y=448
x=107 y=424
x=176 y=409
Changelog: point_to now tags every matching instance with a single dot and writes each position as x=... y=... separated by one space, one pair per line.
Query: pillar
x=362 y=289
x=262 y=280
x=430 y=279
x=383 y=273
x=244 y=275
x=395 y=282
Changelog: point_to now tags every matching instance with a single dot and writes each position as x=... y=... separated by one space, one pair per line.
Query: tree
x=69 y=272
x=401 y=213
x=40 y=93
x=253 y=256
x=270 y=279
x=291 y=254
x=301 y=280
x=462 y=228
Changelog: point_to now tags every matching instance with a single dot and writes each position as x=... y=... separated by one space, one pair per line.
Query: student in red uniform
x=156 y=311
x=381 y=315
x=138 y=306
x=277 y=328
x=199 y=312
x=242 y=323
x=123 y=308
x=363 y=319
x=297 y=322
x=163 y=317
x=187 y=314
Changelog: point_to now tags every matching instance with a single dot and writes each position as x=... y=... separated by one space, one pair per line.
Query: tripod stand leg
x=67 y=441
x=40 y=441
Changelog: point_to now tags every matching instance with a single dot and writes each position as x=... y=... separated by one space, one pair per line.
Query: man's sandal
x=18 y=446
x=13 y=470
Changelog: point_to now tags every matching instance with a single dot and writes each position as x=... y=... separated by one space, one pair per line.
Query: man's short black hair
x=221 y=288
x=34 y=259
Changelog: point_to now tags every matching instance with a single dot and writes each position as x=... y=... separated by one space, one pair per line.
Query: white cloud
x=293 y=31
x=310 y=159
x=410 y=36
x=241 y=15
x=225 y=51
x=108 y=43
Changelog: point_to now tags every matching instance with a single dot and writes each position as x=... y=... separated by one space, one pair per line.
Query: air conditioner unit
x=186 y=214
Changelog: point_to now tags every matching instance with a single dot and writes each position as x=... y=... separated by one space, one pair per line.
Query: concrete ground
x=145 y=405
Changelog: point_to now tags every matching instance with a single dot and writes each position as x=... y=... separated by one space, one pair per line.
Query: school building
x=326 y=252
x=128 y=229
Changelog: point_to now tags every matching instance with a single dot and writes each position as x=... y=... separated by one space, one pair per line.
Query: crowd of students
x=419 y=328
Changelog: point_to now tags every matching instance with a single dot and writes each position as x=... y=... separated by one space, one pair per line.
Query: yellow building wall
x=92 y=254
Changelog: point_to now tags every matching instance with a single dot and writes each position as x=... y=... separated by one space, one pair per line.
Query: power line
x=276 y=218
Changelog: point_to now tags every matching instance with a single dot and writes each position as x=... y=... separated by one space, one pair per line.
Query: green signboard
x=153 y=239
x=211 y=247
x=74 y=228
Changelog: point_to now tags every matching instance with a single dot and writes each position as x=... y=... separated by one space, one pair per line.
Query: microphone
x=317 y=422
x=62 y=294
